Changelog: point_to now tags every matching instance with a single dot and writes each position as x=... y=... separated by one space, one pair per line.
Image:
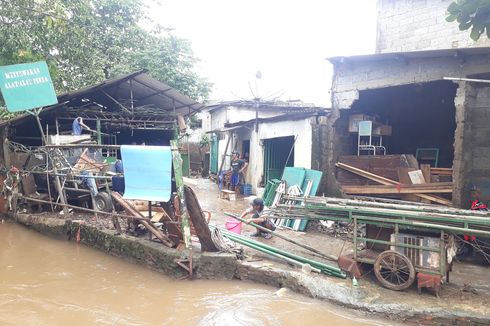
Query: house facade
x=269 y=135
x=428 y=81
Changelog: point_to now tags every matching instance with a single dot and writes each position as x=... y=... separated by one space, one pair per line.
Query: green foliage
x=87 y=41
x=6 y=115
x=205 y=141
x=474 y=14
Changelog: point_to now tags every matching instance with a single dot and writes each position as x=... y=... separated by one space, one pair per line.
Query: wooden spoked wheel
x=394 y=270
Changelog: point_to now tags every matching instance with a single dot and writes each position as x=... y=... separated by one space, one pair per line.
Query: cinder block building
x=429 y=82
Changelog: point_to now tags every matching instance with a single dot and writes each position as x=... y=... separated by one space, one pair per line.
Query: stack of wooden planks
x=412 y=184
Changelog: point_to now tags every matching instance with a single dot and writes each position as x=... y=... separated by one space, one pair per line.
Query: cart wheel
x=394 y=270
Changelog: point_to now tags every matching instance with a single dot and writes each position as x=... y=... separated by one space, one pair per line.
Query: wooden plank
x=179 y=182
x=425 y=168
x=386 y=181
x=150 y=227
x=441 y=171
x=416 y=177
x=394 y=189
x=198 y=221
x=426 y=172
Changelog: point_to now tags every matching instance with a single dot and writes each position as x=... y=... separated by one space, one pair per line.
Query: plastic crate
x=246 y=189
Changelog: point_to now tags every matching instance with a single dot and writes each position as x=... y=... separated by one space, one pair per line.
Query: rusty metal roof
x=134 y=94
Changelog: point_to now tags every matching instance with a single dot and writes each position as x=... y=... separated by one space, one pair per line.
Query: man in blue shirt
x=77 y=126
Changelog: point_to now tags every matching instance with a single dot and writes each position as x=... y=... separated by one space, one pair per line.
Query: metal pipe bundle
x=319 y=208
x=273 y=251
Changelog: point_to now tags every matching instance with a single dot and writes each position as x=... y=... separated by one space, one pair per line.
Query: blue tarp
x=147 y=172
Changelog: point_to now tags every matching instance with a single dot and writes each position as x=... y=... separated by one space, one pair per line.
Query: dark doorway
x=278 y=153
x=246 y=150
x=422 y=116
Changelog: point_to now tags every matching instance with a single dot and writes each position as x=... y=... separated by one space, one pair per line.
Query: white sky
x=286 y=40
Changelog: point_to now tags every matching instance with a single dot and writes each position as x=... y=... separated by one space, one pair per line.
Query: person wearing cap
x=237 y=168
x=260 y=216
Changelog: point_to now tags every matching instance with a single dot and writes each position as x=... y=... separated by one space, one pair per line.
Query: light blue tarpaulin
x=147 y=172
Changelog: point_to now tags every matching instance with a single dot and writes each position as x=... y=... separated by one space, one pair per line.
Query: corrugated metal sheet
x=146 y=92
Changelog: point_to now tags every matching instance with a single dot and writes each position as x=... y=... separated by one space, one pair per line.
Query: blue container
x=246 y=189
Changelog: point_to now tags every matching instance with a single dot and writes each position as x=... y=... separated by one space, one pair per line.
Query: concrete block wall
x=472 y=149
x=479 y=117
x=350 y=78
x=414 y=25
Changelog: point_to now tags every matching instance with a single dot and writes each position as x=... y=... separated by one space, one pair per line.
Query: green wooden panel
x=213 y=167
x=294 y=176
x=185 y=164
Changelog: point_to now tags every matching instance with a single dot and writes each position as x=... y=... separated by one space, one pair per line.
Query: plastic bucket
x=233 y=225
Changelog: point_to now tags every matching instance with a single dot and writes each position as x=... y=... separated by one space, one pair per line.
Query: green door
x=276 y=151
x=213 y=167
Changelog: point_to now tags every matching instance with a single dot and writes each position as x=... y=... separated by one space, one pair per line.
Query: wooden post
x=99 y=132
x=6 y=149
x=179 y=180
x=224 y=155
x=59 y=188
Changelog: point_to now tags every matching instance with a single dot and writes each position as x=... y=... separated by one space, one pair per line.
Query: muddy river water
x=53 y=282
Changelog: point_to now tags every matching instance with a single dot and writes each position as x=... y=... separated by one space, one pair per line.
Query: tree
x=87 y=41
x=474 y=14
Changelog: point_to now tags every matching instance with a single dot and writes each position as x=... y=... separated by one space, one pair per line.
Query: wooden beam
x=386 y=181
x=397 y=189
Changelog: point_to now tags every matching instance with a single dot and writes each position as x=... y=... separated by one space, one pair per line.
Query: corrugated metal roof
x=146 y=92
x=461 y=53
x=289 y=106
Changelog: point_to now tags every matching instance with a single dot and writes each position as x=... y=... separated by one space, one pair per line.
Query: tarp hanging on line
x=147 y=172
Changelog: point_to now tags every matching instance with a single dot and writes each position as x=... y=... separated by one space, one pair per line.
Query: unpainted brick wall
x=411 y=25
x=478 y=146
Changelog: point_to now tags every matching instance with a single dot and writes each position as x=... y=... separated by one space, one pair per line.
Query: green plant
x=474 y=14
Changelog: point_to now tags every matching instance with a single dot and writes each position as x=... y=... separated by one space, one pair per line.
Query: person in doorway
x=237 y=168
x=77 y=126
x=260 y=216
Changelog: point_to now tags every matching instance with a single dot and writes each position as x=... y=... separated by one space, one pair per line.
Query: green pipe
x=284 y=238
x=322 y=266
x=393 y=212
x=325 y=268
x=402 y=221
x=289 y=260
x=380 y=205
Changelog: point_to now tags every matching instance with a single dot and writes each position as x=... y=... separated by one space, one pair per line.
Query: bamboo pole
x=330 y=257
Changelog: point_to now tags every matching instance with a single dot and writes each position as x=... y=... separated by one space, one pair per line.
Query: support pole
x=99 y=132
x=59 y=188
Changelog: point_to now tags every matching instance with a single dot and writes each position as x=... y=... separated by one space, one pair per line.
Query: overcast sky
x=286 y=40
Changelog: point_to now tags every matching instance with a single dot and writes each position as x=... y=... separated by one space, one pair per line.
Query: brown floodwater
x=52 y=282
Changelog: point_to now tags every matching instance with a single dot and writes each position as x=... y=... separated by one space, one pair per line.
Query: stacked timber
x=397 y=177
